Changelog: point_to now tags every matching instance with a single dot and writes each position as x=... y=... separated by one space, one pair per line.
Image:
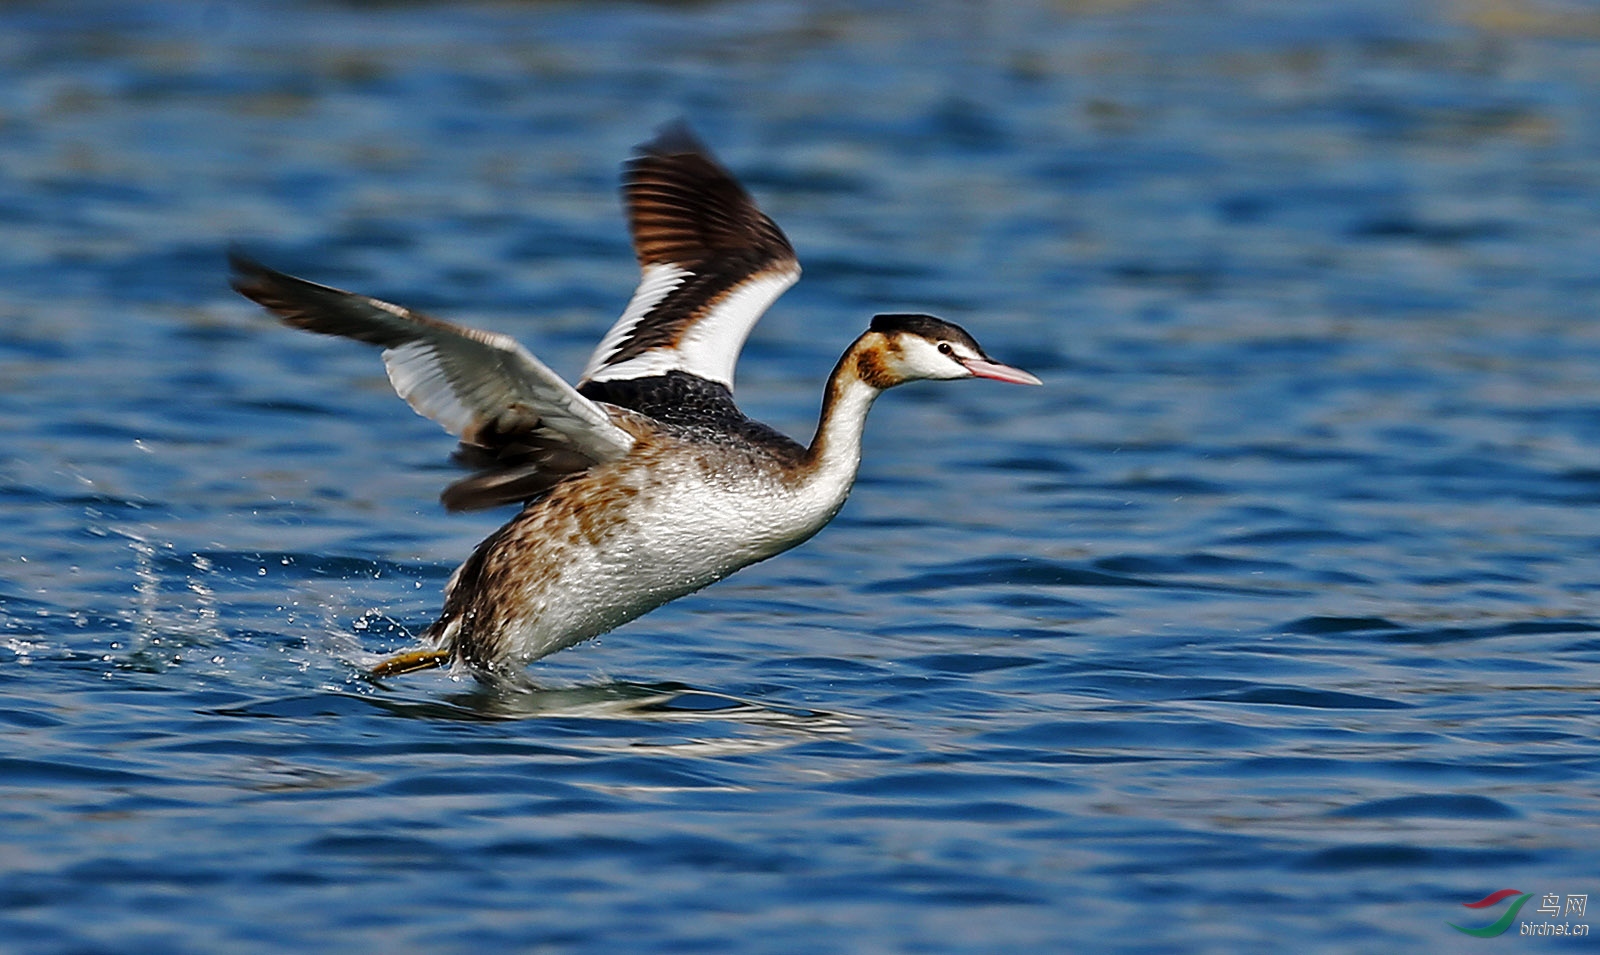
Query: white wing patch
x=657 y=282
x=418 y=376
x=710 y=347
x=477 y=384
x=465 y=390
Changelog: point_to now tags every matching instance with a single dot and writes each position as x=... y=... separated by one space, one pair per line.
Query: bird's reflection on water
x=668 y=717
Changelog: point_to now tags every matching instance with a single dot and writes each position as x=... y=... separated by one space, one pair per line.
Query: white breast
x=677 y=536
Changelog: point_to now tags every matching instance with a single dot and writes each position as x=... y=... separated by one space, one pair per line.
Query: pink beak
x=999 y=372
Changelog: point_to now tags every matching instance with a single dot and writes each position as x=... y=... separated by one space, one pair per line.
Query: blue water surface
x=1268 y=624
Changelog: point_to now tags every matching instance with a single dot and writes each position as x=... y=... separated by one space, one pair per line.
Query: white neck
x=835 y=452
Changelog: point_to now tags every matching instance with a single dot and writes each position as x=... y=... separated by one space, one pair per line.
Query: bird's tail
x=410 y=662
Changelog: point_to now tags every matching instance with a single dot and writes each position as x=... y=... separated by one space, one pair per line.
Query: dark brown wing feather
x=685 y=209
x=712 y=263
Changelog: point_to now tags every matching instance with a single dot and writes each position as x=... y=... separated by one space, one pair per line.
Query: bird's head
x=911 y=347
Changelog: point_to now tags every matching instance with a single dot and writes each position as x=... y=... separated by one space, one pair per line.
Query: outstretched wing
x=515 y=417
x=712 y=263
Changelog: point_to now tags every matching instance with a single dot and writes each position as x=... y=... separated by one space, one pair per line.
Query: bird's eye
x=945 y=348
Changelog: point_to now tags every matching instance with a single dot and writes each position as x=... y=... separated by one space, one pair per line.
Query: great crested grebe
x=645 y=482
